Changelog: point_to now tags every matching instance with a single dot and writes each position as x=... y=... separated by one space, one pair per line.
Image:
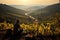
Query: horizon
x=29 y=5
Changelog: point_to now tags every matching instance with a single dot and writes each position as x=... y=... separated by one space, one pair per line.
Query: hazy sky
x=29 y=2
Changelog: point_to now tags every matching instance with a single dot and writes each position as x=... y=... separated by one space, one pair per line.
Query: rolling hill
x=10 y=13
x=47 y=11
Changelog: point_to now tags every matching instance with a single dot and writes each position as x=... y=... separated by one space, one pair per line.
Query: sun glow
x=25 y=2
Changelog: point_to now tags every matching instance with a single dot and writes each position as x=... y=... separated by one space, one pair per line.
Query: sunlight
x=24 y=2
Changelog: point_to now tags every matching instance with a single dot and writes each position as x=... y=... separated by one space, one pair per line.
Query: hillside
x=10 y=13
x=10 y=9
x=47 y=11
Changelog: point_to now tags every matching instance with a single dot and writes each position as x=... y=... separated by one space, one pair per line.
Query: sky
x=29 y=2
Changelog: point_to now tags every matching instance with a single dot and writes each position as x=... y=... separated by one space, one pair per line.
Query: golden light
x=24 y=2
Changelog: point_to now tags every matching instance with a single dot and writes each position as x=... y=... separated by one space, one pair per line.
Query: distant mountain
x=23 y=7
x=49 y=10
x=35 y=7
x=28 y=8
